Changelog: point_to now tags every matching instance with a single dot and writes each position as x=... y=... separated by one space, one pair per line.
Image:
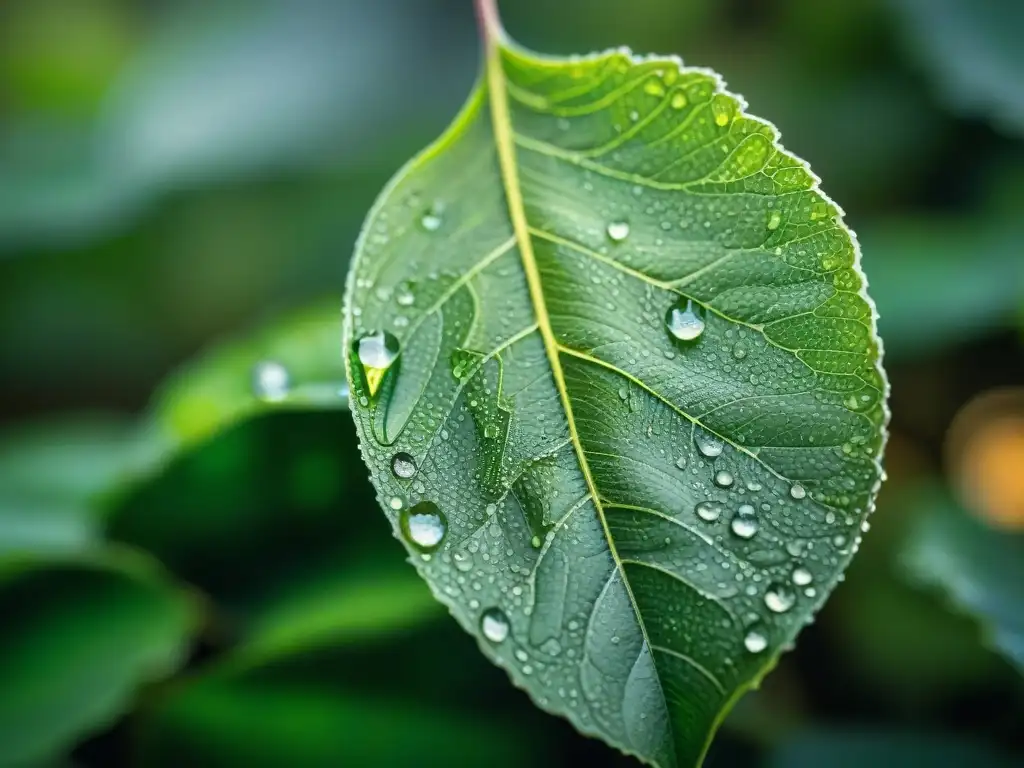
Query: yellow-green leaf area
x=617 y=381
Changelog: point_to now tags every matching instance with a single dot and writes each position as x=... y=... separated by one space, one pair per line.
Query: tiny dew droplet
x=708 y=511
x=377 y=352
x=404 y=295
x=755 y=641
x=802 y=577
x=270 y=381
x=432 y=220
x=424 y=526
x=798 y=491
x=723 y=478
x=494 y=624
x=685 y=321
x=403 y=465
x=744 y=524
x=618 y=231
x=779 y=598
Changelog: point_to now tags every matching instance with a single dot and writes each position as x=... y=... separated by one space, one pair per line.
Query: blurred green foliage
x=207 y=579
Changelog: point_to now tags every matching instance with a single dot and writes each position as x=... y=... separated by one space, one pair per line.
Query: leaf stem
x=489 y=20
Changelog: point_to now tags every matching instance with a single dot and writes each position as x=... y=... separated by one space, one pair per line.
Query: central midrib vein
x=505 y=143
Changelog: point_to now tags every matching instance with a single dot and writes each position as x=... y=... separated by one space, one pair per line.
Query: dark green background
x=174 y=172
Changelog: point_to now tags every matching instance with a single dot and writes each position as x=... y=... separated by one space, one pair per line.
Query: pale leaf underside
x=655 y=518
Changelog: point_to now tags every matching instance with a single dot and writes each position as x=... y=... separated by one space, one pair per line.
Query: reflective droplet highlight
x=722 y=109
x=744 y=524
x=424 y=526
x=779 y=598
x=618 y=231
x=798 y=491
x=270 y=381
x=685 y=321
x=755 y=641
x=802 y=577
x=403 y=465
x=494 y=625
x=708 y=445
x=708 y=511
x=377 y=352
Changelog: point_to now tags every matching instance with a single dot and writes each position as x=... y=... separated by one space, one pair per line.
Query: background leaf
x=972 y=48
x=980 y=569
x=617 y=383
x=80 y=636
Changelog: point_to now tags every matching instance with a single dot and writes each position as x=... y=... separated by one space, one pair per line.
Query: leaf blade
x=511 y=363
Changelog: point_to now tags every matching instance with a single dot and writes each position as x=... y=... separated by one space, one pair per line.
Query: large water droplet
x=377 y=352
x=707 y=445
x=802 y=577
x=708 y=511
x=403 y=465
x=723 y=478
x=755 y=641
x=722 y=108
x=424 y=526
x=744 y=524
x=494 y=624
x=779 y=598
x=618 y=231
x=270 y=381
x=798 y=491
x=685 y=321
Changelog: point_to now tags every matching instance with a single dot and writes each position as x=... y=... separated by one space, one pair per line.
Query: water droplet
x=723 y=478
x=798 y=491
x=424 y=526
x=755 y=641
x=779 y=598
x=432 y=220
x=739 y=351
x=802 y=577
x=681 y=462
x=774 y=219
x=618 y=231
x=678 y=100
x=491 y=431
x=708 y=511
x=708 y=445
x=403 y=465
x=270 y=381
x=395 y=503
x=685 y=321
x=377 y=352
x=744 y=524
x=404 y=295
x=494 y=624
x=722 y=109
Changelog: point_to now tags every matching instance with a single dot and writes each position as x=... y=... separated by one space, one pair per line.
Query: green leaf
x=334 y=679
x=918 y=265
x=79 y=636
x=618 y=385
x=291 y=362
x=974 y=50
x=979 y=568
x=49 y=475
